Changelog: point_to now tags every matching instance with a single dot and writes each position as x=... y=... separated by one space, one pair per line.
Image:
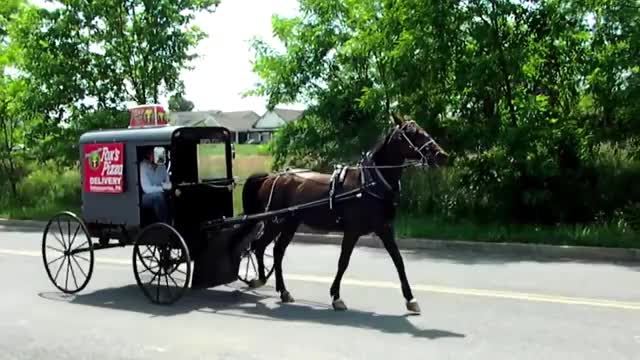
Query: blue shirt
x=150 y=179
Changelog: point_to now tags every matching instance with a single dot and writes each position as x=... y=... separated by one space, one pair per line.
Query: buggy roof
x=160 y=134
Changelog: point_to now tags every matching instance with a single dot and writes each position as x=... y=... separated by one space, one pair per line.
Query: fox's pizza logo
x=108 y=159
x=94 y=159
x=104 y=168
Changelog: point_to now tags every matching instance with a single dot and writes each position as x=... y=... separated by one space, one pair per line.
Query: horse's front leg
x=348 y=243
x=387 y=235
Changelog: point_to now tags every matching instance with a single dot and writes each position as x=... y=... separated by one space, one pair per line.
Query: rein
x=423 y=162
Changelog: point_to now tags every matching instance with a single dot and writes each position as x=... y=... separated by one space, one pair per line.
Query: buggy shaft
x=286 y=211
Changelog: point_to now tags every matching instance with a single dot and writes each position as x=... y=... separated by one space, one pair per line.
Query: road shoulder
x=480 y=248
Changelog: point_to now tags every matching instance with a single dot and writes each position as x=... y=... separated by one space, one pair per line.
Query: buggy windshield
x=212 y=160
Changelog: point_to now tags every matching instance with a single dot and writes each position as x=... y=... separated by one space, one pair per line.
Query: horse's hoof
x=339 y=305
x=286 y=297
x=256 y=283
x=412 y=306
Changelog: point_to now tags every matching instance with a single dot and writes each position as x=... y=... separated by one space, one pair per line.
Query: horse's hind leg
x=269 y=233
x=288 y=231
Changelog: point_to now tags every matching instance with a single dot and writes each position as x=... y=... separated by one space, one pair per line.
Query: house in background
x=245 y=126
x=238 y=122
x=263 y=129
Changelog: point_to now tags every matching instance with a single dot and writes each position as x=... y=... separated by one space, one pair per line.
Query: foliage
x=82 y=57
x=179 y=103
x=521 y=93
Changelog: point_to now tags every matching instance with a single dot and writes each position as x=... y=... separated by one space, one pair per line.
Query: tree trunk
x=503 y=63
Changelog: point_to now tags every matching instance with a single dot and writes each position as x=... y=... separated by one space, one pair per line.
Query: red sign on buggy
x=103 y=168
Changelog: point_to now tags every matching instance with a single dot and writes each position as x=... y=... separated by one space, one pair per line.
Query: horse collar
x=374 y=182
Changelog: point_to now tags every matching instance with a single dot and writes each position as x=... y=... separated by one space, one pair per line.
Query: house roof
x=288 y=115
x=192 y=118
x=232 y=120
x=237 y=120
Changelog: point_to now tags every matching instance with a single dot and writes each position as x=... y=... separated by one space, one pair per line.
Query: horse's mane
x=382 y=141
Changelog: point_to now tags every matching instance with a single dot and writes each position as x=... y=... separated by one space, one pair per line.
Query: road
x=472 y=308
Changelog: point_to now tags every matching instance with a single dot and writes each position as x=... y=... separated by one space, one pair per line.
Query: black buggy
x=167 y=258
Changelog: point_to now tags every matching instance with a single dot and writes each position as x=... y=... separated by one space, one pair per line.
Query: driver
x=154 y=179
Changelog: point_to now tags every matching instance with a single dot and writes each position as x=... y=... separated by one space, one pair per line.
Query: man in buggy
x=154 y=179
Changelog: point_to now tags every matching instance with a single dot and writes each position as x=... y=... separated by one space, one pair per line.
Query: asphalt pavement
x=473 y=307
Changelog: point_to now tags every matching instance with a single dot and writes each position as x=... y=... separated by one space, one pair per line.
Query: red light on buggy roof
x=148 y=116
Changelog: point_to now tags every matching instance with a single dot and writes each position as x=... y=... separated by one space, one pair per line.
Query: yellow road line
x=615 y=304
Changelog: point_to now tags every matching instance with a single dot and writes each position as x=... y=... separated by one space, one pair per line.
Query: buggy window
x=212 y=161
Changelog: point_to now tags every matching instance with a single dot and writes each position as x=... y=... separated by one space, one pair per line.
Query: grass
x=251 y=159
x=241 y=149
x=42 y=212
x=409 y=226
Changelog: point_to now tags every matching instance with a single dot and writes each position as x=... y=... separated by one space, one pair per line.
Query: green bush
x=48 y=183
x=494 y=187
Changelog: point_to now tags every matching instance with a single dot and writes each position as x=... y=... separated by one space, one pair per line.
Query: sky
x=224 y=71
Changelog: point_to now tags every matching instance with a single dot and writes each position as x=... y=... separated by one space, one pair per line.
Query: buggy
x=169 y=257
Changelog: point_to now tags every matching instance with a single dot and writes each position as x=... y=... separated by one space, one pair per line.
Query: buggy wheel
x=248 y=269
x=161 y=263
x=67 y=252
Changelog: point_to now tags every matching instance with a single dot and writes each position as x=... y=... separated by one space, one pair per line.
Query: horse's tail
x=250 y=198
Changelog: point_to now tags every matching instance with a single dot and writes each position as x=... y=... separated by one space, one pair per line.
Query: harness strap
x=273 y=186
x=383 y=180
x=332 y=184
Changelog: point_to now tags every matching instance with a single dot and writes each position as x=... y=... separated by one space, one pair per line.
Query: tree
x=11 y=114
x=179 y=103
x=92 y=55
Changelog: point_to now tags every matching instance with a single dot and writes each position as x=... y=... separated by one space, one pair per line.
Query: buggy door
x=201 y=169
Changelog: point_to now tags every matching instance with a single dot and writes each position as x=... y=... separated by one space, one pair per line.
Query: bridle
x=424 y=160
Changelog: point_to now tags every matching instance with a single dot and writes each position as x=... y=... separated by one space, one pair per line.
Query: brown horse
x=378 y=178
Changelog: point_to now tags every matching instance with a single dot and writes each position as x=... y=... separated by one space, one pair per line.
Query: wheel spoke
x=74 y=236
x=166 y=280
x=73 y=274
x=54 y=249
x=182 y=272
x=66 y=282
x=59 y=241
x=81 y=257
x=142 y=259
x=62 y=236
x=154 y=254
x=150 y=268
x=147 y=249
x=153 y=278
x=79 y=267
x=246 y=272
x=79 y=246
x=158 y=288
x=56 y=259
x=59 y=268
x=173 y=280
x=253 y=264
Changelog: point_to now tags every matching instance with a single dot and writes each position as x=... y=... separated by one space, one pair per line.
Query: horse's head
x=414 y=143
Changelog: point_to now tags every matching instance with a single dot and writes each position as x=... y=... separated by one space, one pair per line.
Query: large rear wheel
x=161 y=263
x=67 y=252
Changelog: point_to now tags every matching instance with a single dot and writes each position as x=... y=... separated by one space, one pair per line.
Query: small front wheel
x=67 y=252
x=161 y=263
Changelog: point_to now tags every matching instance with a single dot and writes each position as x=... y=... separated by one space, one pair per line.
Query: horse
x=377 y=177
